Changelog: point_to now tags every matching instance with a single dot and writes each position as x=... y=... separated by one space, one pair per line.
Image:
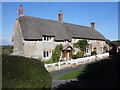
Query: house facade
x=37 y=38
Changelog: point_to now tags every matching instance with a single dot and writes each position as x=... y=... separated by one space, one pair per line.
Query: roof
x=35 y=28
x=66 y=46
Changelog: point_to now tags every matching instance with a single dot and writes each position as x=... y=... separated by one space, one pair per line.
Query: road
x=110 y=82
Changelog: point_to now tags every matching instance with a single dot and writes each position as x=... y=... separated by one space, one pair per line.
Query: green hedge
x=79 y=54
x=6 y=49
x=21 y=72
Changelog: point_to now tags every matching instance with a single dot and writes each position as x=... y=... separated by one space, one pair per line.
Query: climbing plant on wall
x=57 y=52
x=81 y=44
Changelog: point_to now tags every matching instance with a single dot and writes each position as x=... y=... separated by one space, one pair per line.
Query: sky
x=104 y=14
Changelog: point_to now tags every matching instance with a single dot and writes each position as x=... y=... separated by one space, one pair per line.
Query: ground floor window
x=88 y=50
x=47 y=54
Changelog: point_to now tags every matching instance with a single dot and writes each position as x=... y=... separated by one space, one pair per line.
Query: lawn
x=71 y=75
x=93 y=71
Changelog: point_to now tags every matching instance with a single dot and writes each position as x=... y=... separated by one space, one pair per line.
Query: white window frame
x=47 y=54
x=47 y=39
x=88 y=50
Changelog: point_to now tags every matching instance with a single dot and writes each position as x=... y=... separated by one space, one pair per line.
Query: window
x=88 y=41
x=88 y=50
x=47 y=54
x=47 y=38
x=44 y=54
x=66 y=41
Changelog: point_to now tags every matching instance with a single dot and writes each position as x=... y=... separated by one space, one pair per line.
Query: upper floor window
x=88 y=41
x=65 y=41
x=47 y=38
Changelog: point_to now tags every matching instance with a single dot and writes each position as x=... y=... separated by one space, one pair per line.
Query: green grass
x=51 y=61
x=21 y=72
x=71 y=75
x=95 y=71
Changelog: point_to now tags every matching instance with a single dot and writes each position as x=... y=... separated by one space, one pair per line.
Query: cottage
x=36 y=37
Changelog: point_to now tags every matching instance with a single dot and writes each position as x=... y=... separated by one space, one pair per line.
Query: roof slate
x=35 y=28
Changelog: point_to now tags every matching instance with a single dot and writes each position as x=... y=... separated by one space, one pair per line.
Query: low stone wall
x=80 y=61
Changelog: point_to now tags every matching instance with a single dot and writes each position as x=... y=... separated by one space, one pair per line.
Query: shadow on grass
x=101 y=74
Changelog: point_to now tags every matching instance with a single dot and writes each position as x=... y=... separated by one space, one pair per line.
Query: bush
x=7 y=49
x=74 y=57
x=48 y=61
x=57 y=53
x=21 y=72
x=81 y=44
x=80 y=54
x=94 y=53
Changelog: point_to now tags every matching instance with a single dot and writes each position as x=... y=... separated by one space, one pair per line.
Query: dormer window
x=47 y=38
x=65 y=41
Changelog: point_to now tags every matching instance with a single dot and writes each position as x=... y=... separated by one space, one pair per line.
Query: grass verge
x=95 y=71
x=71 y=75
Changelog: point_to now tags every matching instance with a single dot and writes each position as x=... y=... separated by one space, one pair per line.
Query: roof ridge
x=78 y=25
x=57 y=21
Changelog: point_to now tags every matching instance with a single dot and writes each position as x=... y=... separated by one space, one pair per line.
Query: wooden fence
x=73 y=62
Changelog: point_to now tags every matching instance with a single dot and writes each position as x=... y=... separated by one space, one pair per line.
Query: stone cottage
x=37 y=37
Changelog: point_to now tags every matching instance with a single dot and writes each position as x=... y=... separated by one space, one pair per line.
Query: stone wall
x=35 y=48
x=18 y=40
x=99 y=46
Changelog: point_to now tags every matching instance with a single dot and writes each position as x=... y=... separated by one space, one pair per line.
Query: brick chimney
x=21 y=11
x=60 y=16
x=93 y=25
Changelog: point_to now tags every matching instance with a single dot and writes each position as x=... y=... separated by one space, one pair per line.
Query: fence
x=74 y=62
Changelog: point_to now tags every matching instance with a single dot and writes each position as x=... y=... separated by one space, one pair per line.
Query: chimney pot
x=20 y=11
x=60 y=16
x=93 y=25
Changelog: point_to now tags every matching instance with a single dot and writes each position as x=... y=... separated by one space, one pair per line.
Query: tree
x=117 y=43
x=57 y=52
x=81 y=44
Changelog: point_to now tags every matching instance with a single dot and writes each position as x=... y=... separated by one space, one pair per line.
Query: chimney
x=60 y=16
x=93 y=25
x=20 y=11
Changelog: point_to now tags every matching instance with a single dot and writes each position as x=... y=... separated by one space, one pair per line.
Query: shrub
x=74 y=57
x=94 y=53
x=62 y=60
x=81 y=44
x=57 y=52
x=80 y=54
x=21 y=72
x=48 y=61
x=7 y=49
